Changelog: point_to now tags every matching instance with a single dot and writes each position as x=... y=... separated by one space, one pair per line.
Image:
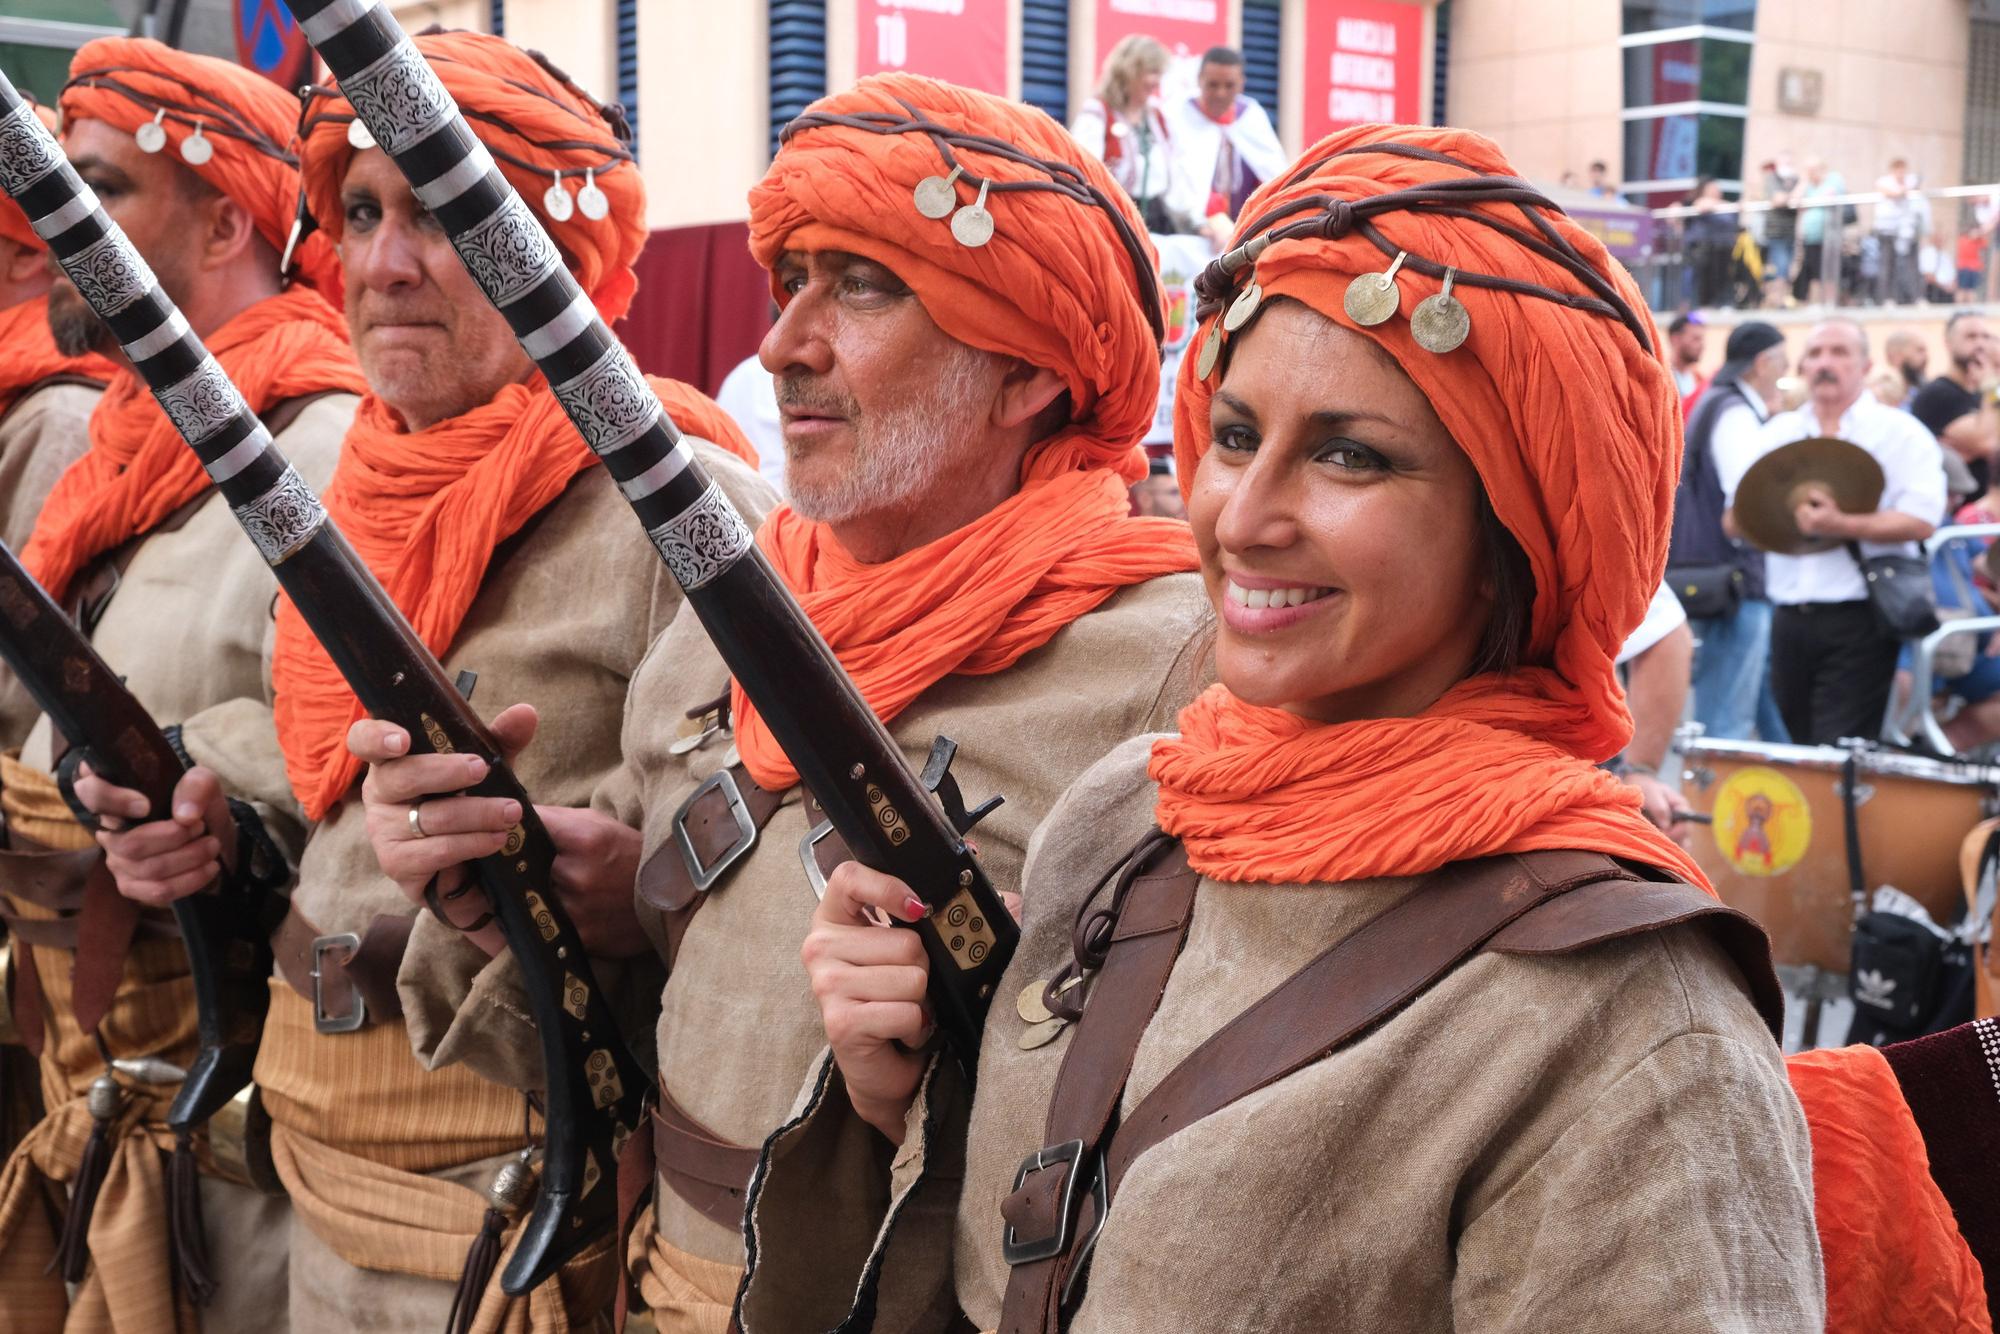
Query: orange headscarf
x=1574 y=428
x=28 y=355
x=427 y=509
x=1057 y=287
x=247 y=120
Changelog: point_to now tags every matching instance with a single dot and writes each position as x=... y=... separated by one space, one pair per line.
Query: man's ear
x=1025 y=392
x=23 y=264
x=227 y=231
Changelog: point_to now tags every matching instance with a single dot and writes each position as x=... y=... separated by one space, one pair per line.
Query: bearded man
x=962 y=402
x=151 y=560
x=486 y=518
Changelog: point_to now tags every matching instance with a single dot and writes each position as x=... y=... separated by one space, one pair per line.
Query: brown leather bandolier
x=1538 y=903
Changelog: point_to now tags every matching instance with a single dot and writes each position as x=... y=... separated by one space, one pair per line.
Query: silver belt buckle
x=809 y=855
x=746 y=830
x=336 y=1023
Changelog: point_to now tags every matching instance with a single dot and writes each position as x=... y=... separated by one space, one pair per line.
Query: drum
x=1777 y=847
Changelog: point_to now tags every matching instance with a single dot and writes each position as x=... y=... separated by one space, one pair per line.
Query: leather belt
x=349 y=978
x=714 y=828
x=705 y=1170
x=60 y=933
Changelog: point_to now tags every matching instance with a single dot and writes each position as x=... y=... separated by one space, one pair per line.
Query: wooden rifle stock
x=226 y=927
x=593 y=1099
x=881 y=807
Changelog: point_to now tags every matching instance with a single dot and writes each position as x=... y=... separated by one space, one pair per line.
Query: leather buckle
x=1016 y=1251
x=746 y=829
x=809 y=855
x=335 y=1023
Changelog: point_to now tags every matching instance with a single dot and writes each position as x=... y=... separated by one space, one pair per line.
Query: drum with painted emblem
x=1777 y=846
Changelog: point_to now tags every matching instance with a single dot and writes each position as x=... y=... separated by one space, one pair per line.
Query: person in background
x=1958 y=406
x=749 y=394
x=1832 y=662
x=1600 y=181
x=1687 y=339
x=1781 y=186
x=1900 y=217
x=1969 y=263
x=1223 y=144
x=1814 y=225
x=1711 y=243
x=1656 y=660
x=1125 y=127
x=1909 y=357
x=1732 y=690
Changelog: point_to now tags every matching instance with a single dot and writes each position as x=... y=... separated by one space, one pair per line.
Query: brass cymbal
x=1777 y=483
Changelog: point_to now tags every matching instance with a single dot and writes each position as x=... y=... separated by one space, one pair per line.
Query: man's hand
x=160 y=861
x=597 y=864
x=1818 y=516
x=1660 y=804
x=872 y=983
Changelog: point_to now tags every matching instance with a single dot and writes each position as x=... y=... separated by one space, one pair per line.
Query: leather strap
x=1527 y=904
x=664 y=881
x=367 y=970
x=96 y=924
x=704 y=1169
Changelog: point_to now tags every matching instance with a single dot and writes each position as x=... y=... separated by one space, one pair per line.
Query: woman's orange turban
x=1571 y=420
x=247 y=120
x=1060 y=285
x=536 y=123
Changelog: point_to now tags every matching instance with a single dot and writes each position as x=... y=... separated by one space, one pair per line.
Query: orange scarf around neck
x=971 y=603
x=139 y=470
x=28 y=354
x=426 y=510
x=1259 y=795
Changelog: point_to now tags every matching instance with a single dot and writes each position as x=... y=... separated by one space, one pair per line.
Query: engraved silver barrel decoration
x=594 y=1089
x=842 y=752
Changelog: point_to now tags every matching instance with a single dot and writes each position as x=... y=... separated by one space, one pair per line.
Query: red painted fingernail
x=916 y=909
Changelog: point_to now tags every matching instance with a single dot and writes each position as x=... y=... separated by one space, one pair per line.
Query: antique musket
x=595 y=1090
x=890 y=818
x=226 y=928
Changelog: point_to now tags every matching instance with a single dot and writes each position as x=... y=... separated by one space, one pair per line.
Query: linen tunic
x=1598 y=1141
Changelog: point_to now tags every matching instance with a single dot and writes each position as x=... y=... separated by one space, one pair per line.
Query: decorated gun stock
x=594 y=1090
x=226 y=928
x=879 y=805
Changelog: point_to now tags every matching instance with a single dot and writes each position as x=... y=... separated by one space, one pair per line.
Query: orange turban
x=536 y=123
x=14 y=223
x=1564 y=407
x=1058 y=285
x=1065 y=283
x=246 y=120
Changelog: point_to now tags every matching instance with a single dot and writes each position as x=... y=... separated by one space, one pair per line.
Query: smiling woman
x=1400 y=1015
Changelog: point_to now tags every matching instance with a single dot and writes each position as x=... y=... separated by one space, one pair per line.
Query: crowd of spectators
x=1790 y=646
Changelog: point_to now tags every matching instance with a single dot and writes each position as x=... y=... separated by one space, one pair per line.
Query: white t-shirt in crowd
x=1735 y=441
x=750 y=395
x=1664 y=615
x=1913 y=482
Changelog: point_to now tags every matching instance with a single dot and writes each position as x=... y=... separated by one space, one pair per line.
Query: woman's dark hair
x=1506 y=637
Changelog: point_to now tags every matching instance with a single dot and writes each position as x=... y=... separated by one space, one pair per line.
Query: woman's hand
x=161 y=861
x=871 y=981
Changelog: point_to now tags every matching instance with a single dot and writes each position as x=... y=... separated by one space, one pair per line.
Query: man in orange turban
x=966 y=357
x=46 y=399
x=188 y=154
x=488 y=521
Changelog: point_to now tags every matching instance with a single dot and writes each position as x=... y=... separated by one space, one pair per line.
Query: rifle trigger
x=937 y=779
x=466 y=680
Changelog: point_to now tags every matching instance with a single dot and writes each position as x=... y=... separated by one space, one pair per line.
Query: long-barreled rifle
x=226 y=928
x=594 y=1089
x=880 y=806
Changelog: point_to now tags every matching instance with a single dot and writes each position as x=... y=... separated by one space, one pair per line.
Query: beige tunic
x=41 y=435
x=1597 y=1142
x=561 y=621
x=738 y=1026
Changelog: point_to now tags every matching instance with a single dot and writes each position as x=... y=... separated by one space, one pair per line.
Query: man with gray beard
x=962 y=402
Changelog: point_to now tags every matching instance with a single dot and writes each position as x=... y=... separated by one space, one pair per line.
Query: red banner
x=963 y=41
x=1362 y=64
x=1185 y=27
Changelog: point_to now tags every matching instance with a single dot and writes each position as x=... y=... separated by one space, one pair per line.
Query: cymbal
x=1777 y=483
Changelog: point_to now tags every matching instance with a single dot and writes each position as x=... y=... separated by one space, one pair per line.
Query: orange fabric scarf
x=139 y=470
x=425 y=510
x=971 y=603
x=28 y=355
x=1261 y=795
